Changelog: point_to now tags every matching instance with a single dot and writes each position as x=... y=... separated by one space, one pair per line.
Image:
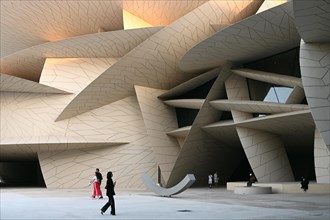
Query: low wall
x=286 y=187
x=253 y=190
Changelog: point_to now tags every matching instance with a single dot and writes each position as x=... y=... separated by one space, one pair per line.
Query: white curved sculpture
x=184 y=184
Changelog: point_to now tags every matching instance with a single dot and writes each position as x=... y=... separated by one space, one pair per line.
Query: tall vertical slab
x=321 y=159
x=315 y=74
x=265 y=151
x=159 y=119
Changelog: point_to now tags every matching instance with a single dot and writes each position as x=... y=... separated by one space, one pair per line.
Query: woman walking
x=110 y=193
x=96 y=187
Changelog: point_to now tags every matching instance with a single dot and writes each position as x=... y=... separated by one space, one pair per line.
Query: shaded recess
x=242 y=171
x=21 y=174
x=301 y=156
x=226 y=116
x=186 y=116
x=286 y=63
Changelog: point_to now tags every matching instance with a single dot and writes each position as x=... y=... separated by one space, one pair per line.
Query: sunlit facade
x=164 y=88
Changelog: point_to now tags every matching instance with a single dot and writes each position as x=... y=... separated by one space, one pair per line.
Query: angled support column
x=315 y=74
x=202 y=153
x=159 y=119
x=265 y=151
x=321 y=159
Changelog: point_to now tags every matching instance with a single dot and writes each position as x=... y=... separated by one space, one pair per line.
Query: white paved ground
x=195 y=203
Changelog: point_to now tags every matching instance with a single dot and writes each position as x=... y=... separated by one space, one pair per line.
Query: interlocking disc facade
x=165 y=88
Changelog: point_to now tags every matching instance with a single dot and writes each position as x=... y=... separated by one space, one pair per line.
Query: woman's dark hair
x=109 y=174
x=98 y=175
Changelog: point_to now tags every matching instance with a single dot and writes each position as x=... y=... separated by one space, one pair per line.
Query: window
x=278 y=94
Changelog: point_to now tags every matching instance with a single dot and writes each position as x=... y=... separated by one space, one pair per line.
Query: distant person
x=110 y=193
x=216 y=179
x=304 y=183
x=210 y=180
x=96 y=187
x=252 y=179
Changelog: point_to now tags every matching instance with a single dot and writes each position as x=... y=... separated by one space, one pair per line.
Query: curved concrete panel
x=258 y=36
x=14 y=84
x=256 y=106
x=321 y=159
x=28 y=23
x=186 y=103
x=184 y=184
x=15 y=152
x=283 y=123
x=73 y=74
x=274 y=78
x=29 y=62
x=296 y=96
x=154 y=63
x=312 y=20
x=315 y=73
x=190 y=84
x=180 y=132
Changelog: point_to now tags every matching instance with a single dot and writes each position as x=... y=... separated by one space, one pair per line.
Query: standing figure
x=99 y=179
x=216 y=179
x=252 y=179
x=210 y=181
x=99 y=175
x=304 y=183
x=96 y=187
x=110 y=193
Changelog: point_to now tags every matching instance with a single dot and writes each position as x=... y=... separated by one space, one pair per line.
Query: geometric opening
x=185 y=116
x=278 y=94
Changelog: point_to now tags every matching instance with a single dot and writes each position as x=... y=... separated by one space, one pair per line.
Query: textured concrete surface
x=194 y=203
